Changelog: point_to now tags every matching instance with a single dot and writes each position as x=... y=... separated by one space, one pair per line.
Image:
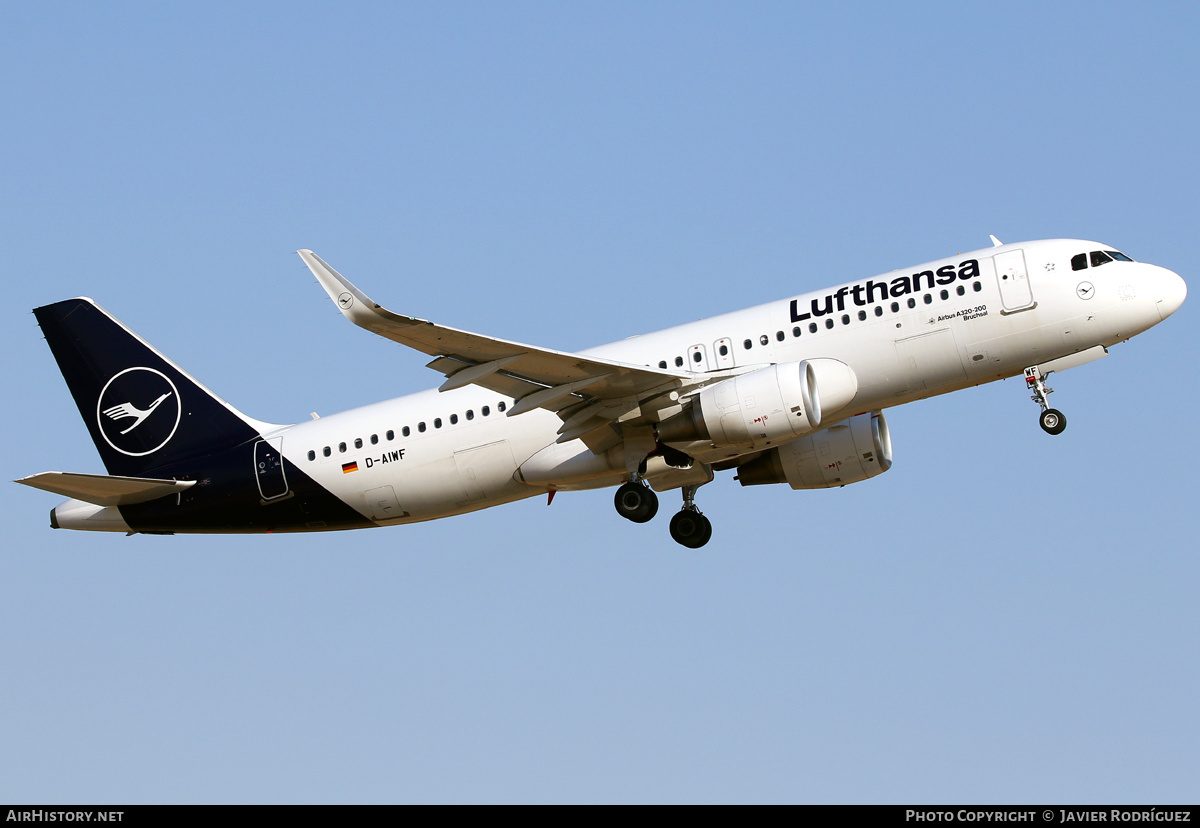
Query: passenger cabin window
x=1099 y=257
x=763 y=340
x=879 y=310
x=325 y=451
x=421 y=427
x=312 y=455
x=960 y=290
x=391 y=435
x=862 y=316
x=486 y=411
x=845 y=319
x=500 y=406
x=779 y=336
x=895 y=307
x=696 y=357
x=828 y=323
x=662 y=363
x=796 y=331
x=678 y=362
x=405 y=431
x=437 y=422
x=747 y=344
x=470 y=414
x=374 y=439
x=928 y=299
x=453 y=419
x=812 y=327
x=1079 y=262
x=724 y=350
x=912 y=303
x=358 y=442
x=342 y=448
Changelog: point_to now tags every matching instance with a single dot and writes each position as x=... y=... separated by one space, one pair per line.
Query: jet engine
x=846 y=452
x=764 y=407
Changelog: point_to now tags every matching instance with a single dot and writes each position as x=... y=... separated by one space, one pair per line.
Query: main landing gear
x=688 y=526
x=637 y=502
x=1051 y=420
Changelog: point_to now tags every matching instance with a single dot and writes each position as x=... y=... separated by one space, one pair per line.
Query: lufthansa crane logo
x=138 y=411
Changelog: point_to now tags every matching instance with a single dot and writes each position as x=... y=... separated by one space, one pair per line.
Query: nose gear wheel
x=1052 y=421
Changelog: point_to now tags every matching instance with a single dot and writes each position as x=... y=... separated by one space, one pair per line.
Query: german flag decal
x=349 y=467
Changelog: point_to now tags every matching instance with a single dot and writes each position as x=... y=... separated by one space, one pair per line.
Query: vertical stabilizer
x=142 y=410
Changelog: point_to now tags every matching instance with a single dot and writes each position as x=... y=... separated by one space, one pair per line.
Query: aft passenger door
x=268 y=468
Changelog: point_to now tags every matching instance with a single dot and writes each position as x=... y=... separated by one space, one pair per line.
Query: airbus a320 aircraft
x=787 y=392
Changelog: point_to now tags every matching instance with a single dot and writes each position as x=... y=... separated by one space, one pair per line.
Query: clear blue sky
x=1002 y=617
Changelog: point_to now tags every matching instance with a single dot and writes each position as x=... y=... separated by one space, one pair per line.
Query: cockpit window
x=1079 y=262
x=1120 y=257
x=1099 y=257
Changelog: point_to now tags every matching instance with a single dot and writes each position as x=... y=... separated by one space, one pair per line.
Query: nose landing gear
x=1051 y=420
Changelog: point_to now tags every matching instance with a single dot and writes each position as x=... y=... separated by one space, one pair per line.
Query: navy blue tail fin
x=143 y=412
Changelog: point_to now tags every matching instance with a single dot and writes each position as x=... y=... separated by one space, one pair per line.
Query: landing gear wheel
x=690 y=528
x=1052 y=421
x=636 y=502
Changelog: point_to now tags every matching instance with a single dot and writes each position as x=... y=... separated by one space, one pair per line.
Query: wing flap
x=501 y=382
x=105 y=490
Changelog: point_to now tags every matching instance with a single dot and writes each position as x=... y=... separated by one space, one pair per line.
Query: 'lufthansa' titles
x=872 y=291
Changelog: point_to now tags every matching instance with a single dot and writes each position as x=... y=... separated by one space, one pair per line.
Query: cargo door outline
x=930 y=360
x=382 y=504
x=484 y=470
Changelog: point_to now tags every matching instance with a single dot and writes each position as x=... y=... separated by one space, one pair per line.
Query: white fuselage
x=431 y=454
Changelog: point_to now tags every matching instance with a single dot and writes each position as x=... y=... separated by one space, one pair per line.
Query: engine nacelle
x=846 y=452
x=764 y=407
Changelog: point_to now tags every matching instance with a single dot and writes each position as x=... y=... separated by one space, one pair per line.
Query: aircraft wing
x=588 y=392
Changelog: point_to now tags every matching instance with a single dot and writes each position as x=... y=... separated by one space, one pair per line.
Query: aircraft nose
x=1169 y=293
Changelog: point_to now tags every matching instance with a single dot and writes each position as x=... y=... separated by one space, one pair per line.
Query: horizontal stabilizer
x=105 y=490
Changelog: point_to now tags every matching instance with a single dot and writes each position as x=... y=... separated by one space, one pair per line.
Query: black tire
x=690 y=528
x=636 y=502
x=1052 y=421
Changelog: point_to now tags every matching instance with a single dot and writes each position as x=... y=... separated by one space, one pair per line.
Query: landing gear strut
x=688 y=526
x=636 y=501
x=1051 y=420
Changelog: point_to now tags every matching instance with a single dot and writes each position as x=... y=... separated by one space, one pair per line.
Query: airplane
x=790 y=392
